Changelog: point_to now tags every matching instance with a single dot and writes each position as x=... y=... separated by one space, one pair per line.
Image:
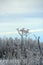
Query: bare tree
x=39 y=49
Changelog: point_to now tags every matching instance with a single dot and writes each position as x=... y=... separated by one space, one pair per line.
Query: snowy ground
x=17 y=62
x=9 y=62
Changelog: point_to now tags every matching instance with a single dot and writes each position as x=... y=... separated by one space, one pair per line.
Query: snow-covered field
x=9 y=62
x=18 y=62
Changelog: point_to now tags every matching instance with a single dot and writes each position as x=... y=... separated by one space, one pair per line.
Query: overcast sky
x=20 y=6
x=21 y=13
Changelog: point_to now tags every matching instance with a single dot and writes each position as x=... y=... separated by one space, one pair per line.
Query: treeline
x=13 y=49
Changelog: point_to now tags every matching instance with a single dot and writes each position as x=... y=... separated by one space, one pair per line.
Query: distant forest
x=13 y=49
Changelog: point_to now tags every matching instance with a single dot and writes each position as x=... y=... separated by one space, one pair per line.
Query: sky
x=21 y=13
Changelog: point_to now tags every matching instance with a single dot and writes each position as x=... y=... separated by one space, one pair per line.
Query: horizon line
x=30 y=31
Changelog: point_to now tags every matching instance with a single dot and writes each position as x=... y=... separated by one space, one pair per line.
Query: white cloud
x=26 y=23
x=20 y=6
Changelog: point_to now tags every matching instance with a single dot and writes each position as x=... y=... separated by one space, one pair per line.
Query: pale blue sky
x=21 y=13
